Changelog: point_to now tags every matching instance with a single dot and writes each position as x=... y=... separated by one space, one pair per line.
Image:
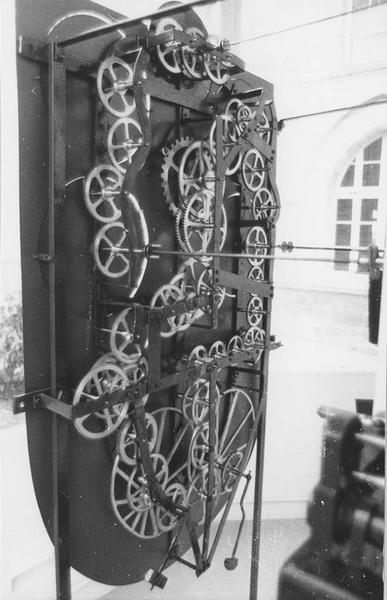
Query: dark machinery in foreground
x=145 y=221
x=343 y=558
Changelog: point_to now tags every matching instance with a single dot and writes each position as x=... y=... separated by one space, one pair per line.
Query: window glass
x=343 y=235
x=344 y=209
x=349 y=176
x=371 y=173
x=373 y=151
x=365 y=238
x=368 y=209
x=341 y=258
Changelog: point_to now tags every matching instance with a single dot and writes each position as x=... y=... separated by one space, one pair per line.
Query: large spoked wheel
x=169 y=53
x=237 y=423
x=102 y=193
x=114 y=84
x=104 y=379
x=131 y=499
x=111 y=250
x=124 y=139
x=256 y=245
x=197 y=493
x=253 y=170
x=130 y=494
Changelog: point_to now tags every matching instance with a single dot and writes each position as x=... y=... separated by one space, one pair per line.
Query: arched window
x=361 y=204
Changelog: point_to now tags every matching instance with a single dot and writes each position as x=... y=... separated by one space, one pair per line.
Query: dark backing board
x=99 y=547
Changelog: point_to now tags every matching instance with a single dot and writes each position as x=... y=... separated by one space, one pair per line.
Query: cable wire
x=328 y=111
x=301 y=25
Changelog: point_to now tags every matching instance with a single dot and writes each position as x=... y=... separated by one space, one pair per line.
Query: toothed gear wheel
x=179 y=230
x=197 y=223
x=170 y=172
x=197 y=169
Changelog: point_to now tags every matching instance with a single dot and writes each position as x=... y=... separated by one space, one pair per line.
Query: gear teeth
x=169 y=152
x=178 y=223
x=183 y=219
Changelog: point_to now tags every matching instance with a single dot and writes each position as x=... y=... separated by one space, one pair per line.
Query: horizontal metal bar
x=256 y=256
x=106 y=29
x=373 y=440
x=54 y=405
x=21 y=400
x=375 y=481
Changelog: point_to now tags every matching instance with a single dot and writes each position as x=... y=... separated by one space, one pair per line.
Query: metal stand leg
x=57 y=163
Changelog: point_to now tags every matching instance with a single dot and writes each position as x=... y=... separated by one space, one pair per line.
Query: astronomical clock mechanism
x=148 y=211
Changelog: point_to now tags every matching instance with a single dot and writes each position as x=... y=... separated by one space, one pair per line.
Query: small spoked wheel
x=104 y=379
x=253 y=170
x=124 y=139
x=196 y=400
x=256 y=274
x=127 y=447
x=198 y=355
x=231 y=465
x=111 y=250
x=122 y=337
x=205 y=285
x=264 y=206
x=256 y=245
x=235 y=345
x=114 y=84
x=169 y=53
x=228 y=132
x=254 y=311
x=192 y=59
x=217 y=350
x=216 y=69
x=102 y=193
x=168 y=295
x=165 y=519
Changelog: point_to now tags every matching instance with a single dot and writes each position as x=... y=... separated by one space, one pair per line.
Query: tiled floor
x=279 y=538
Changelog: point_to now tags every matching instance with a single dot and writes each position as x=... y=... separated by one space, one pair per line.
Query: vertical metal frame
x=60 y=431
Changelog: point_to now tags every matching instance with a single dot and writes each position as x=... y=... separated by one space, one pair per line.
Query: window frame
x=357 y=193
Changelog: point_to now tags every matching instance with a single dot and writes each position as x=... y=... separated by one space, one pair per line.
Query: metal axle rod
x=105 y=29
x=153 y=252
